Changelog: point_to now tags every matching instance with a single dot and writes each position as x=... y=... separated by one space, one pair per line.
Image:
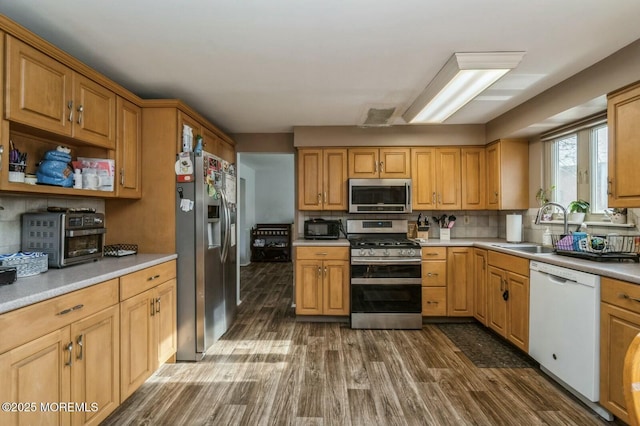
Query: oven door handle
x=368 y=261
x=83 y=232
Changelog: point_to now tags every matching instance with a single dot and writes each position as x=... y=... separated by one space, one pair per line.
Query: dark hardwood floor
x=271 y=369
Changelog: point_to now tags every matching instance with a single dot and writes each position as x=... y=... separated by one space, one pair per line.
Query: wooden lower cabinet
x=508 y=297
x=480 y=304
x=619 y=324
x=434 y=281
x=322 y=281
x=148 y=334
x=78 y=363
x=460 y=281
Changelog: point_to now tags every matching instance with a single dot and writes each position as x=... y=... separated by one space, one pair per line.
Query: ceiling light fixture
x=462 y=78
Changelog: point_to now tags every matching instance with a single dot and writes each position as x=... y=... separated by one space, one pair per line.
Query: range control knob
x=412 y=252
x=402 y=252
x=386 y=252
x=371 y=252
x=362 y=252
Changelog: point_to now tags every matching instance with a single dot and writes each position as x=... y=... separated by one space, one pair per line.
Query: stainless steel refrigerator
x=205 y=242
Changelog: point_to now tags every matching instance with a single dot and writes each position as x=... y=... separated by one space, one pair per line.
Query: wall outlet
x=466 y=219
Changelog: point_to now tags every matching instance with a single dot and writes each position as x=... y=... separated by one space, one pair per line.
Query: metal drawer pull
x=66 y=311
x=626 y=296
x=432 y=274
x=69 y=348
x=80 y=345
x=80 y=110
x=322 y=254
x=155 y=277
x=431 y=254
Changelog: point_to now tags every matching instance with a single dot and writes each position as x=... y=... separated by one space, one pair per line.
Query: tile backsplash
x=14 y=206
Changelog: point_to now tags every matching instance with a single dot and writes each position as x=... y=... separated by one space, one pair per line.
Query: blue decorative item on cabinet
x=54 y=169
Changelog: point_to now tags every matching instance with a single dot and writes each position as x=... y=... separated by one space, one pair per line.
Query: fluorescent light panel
x=463 y=77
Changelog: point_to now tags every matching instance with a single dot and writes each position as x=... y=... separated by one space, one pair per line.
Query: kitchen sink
x=527 y=248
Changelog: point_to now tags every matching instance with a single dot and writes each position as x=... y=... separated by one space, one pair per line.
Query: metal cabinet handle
x=155 y=277
x=122 y=177
x=432 y=301
x=324 y=253
x=319 y=198
x=74 y=308
x=69 y=348
x=325 y=197
x=80 y=345
x=432 y=274
x=80 y=110
x=431 y=254
x=70 y=106
x=382 y=166
x=319 y=271
x=158 y=305
x=626 y=296
x=609 y=186
x=433 y=198
x=325 y=271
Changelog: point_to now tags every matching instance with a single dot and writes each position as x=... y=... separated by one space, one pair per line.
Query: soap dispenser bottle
x=546 y=238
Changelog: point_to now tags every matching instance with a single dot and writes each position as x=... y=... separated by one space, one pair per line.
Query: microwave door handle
x=407 y=189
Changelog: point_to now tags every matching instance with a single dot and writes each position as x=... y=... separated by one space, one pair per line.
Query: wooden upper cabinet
x=623 y=117
x=423 y=178
x=322 y=179
x=129 y=149
x=508 y=174
x=43 y=93
x=448 y=178
x=39 y=89
x=474 y=179
x=227 y=152
x=210 y=142
x=395 y=163
x=95 y=112
x=383 y=163
x=334 y=181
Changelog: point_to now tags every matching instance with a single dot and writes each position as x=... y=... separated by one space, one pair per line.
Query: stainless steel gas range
x=386 y=288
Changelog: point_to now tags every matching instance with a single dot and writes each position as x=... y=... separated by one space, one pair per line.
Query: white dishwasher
x=564 y=329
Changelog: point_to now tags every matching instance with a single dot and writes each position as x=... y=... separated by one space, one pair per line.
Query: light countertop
x=301 y=242
x=55 y=282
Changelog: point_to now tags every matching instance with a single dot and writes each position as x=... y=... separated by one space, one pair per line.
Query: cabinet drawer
x=434 y=253
x=519 y=265
x=143 y=280
x=322 y=253
x=434 y=301
x=434 y=273
x=620 y=293
x=33 y=321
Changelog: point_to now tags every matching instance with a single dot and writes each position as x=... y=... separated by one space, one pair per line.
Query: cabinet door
x=434 y=273
x=497 y=312
x=448 y=178
x=39 y=89
x=335 y=294
x=165 y=315
x=518 y=310
x=459 y=281
x=129 y=150
x=395 y=163
x=493 y=176
x=227 y=152
x=364 y=163
x=623 y=116
x=480 y=285
x=474 y=178
x=308 y=287
x=434 y=301
x=38 y=371
x=335 y=177
x=617 y=328
x=423 y=178
x=137 y=349
x=211 y=142
x=95 y=112
x=310 y=179
x=96 y=365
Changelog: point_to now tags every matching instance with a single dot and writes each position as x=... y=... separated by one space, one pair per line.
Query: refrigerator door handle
x=227 y=225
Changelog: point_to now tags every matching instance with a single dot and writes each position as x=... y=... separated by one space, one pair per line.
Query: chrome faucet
x=564 y=211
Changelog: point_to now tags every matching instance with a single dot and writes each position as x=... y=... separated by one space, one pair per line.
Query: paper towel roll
x=514 y=228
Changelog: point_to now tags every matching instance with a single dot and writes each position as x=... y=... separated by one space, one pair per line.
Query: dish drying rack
x=601 y=248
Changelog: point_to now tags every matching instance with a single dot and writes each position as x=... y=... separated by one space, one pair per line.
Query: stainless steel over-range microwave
x=379 y=195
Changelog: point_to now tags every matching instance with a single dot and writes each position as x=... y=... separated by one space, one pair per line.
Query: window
x=577 y=163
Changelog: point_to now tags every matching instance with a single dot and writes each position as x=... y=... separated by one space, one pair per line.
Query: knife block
x=423 y=233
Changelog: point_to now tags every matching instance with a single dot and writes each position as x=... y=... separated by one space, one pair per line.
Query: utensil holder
x=445 y=233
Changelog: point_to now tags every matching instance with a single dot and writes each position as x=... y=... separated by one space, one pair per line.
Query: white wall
x=275 y=194
x=246 y=208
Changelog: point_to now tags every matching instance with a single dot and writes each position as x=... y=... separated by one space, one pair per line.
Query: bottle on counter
x=546 y=238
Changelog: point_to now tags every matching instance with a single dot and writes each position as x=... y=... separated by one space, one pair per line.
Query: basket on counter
x=119 y=250
x=26 y=263
x=598 y=247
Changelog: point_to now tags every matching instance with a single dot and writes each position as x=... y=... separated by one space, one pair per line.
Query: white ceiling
x=266 y=66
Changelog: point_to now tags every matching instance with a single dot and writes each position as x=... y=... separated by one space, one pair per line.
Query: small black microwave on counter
x=322 y=229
